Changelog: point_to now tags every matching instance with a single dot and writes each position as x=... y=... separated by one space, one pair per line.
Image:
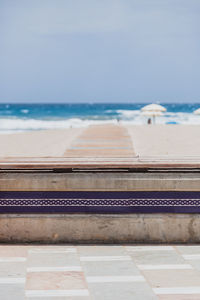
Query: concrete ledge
x=98 y=228
x=122 y=181
x=74 y=228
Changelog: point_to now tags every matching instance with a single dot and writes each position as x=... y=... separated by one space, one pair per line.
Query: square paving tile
x=121 y=291
x=55 y=281
x=14 y=251
x=53 y=259
x=101 y=250
x=195 y=264
x=52 y=249
x=172 y=278
x=188 y=249
x=12 y=269
x=110 y=268
x=157 y=257
x=179 y=297
x=12 y=292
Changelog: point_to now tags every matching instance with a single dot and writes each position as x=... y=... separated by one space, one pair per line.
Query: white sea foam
x=131 y=117
x=8 y=125
x=127 y=114
x=135 y=117
x=24 y=111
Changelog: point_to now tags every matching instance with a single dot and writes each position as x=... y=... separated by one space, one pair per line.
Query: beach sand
x=147 y=140
x=42 y=143
x=171 y=140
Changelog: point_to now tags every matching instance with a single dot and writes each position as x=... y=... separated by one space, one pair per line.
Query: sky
x=99 y=51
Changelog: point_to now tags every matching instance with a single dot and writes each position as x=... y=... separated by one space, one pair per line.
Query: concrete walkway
x=99 y=272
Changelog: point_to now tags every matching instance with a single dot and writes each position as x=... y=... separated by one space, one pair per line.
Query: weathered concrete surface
x=74 y=228
x=109 y=181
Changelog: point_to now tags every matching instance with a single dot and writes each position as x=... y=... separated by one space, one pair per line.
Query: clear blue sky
x=99 y=50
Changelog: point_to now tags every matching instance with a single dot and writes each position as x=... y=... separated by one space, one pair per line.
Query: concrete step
x=100 y=228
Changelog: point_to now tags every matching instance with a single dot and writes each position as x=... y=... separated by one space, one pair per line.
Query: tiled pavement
x=99 y=272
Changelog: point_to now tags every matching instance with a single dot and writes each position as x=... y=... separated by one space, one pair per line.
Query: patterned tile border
x=100 y=202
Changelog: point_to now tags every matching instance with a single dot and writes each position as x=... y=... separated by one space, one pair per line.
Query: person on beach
x=149 y=121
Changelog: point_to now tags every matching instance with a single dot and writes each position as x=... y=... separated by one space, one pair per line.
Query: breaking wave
x=25 y=118
x=19 y=125
x=135 y=117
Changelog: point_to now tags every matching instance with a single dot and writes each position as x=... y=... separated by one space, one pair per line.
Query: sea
x=26 y=116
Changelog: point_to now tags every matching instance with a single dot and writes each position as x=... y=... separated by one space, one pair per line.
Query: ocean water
x=23 y=117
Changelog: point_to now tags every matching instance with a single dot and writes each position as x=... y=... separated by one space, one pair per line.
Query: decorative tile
x=100 y=202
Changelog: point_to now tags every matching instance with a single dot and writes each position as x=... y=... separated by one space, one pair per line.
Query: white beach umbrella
x=153 y=110
x=154 y=107
x=152 y=113
x=197 y=111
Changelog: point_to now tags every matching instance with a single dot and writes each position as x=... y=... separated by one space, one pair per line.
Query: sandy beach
x=38 y=143
x=172 y=140
x=158 y=140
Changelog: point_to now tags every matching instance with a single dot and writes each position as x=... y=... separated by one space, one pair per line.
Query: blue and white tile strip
x=100 y=202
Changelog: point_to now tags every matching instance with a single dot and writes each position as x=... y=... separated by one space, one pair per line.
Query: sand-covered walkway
x=102 y=141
